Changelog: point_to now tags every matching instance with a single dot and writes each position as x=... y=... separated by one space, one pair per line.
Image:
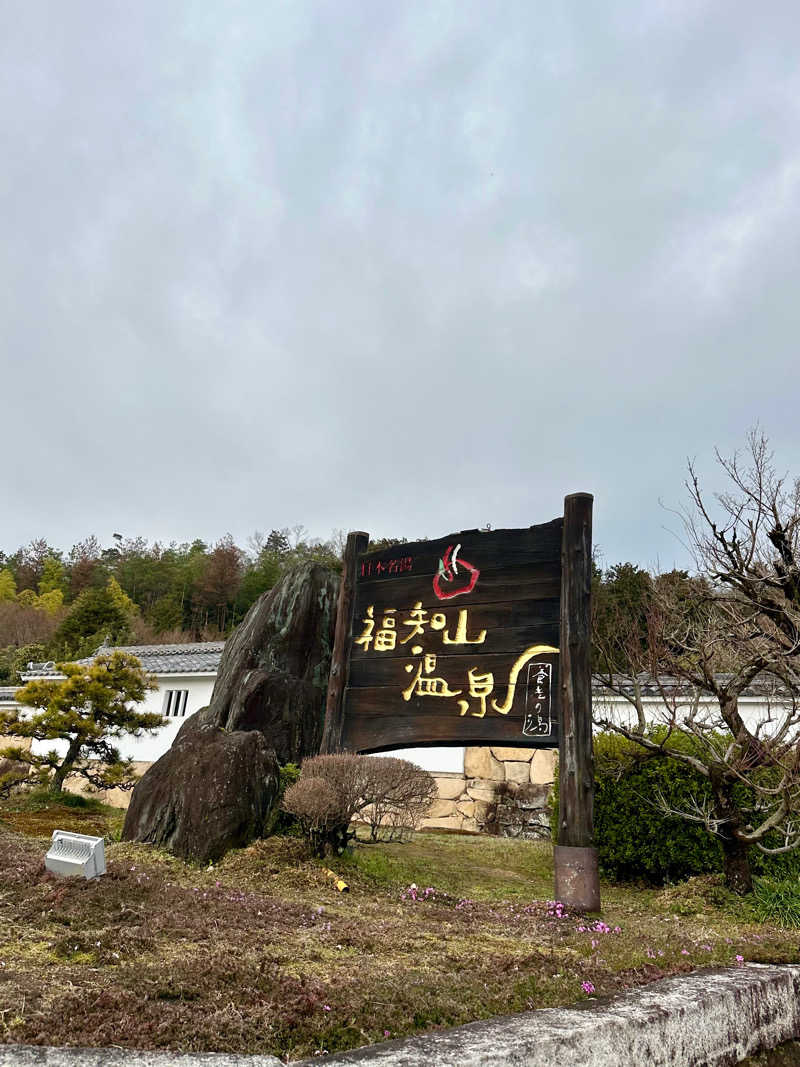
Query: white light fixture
x=76 y=854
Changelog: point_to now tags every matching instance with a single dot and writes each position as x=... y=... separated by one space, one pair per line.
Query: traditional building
x=185 y=676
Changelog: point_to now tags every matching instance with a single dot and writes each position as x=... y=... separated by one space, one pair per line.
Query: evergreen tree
x=88 y=709
x=620 y=599
x=53 y=576
x=96 y=616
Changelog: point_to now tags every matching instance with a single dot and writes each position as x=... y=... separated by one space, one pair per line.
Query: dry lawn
x=262 y=954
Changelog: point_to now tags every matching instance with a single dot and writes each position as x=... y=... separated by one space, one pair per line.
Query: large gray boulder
x=215 y=787
x=212 y=791
x=273 y=675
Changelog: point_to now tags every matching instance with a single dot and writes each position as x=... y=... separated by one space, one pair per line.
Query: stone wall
x=502 y=791
x=116 y=798
x=17 y=742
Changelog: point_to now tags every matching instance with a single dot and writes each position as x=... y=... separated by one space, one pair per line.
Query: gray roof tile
x=201 y=658
x=763 y=685
x=177 y=659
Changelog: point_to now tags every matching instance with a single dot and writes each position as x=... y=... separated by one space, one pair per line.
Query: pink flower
x=587 y=987
x=684 y=952
x=740 y=959
x=326 y=1007
x=386 y=1033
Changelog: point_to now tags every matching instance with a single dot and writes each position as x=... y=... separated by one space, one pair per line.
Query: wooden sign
x=454 y=641
x=482 y=637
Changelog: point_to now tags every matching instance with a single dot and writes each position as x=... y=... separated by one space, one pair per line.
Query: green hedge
x=635 y=841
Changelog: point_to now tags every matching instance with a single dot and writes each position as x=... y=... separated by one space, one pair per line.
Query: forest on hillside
x=61 y=605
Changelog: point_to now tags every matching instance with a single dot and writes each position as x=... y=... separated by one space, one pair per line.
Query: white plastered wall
x=149 y=747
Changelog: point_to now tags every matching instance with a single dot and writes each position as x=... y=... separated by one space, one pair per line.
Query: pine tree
x=89 y=708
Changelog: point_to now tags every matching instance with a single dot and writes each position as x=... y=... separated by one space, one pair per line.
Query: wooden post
x=357 y=542
x=576 y=876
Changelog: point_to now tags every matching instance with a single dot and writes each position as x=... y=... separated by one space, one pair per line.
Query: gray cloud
x=408 y=268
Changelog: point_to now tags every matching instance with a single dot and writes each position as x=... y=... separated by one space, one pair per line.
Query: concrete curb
x=46 y=1056
x=711 y=1018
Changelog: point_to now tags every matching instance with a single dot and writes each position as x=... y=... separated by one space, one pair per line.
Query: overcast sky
x=408 y=267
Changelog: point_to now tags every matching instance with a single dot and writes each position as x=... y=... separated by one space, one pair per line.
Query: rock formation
x=216 y=785
x=210 y=792
x=273 y=676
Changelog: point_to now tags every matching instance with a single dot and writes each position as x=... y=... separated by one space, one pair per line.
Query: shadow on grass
x=38 y=812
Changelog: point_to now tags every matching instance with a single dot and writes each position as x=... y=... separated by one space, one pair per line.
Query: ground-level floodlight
x=76 y=854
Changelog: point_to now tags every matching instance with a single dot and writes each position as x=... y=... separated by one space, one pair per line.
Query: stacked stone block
x=502 y=791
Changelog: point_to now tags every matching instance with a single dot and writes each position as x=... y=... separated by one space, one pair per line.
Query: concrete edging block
x=47 y=1056
x=711 y=1018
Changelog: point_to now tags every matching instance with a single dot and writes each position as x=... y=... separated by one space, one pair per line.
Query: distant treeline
x=56 y=605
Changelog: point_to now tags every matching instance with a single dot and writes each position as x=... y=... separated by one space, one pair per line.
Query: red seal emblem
x=455 y=576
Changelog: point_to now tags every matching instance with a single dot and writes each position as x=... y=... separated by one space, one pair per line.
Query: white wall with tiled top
x=150 y=746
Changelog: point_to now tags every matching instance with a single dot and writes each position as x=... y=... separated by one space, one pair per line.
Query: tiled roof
x=649 y=686
x=177 y=659
x=202 y=658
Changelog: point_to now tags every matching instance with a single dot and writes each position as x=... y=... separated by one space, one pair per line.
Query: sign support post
x=576 y=875
x=357 y=542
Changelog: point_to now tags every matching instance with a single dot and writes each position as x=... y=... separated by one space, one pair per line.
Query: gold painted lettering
x=528 y=654
x=461 y=633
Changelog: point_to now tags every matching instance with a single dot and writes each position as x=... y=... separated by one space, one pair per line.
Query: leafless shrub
x=346 y=773
x=319 y=807
x=401 y=794
x=730 y=631
x=390 y=795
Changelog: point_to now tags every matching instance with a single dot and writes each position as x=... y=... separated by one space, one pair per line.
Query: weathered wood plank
x=374 y=724
x=515 y=624
x=539 y=582
x=398 y=671
x=357 y=542
x=509 y=548
x=456 y=632
x=497 y=642
x=576 y=774
x=444 y=695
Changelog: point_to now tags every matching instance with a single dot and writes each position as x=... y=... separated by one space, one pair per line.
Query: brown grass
x=262 y=954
